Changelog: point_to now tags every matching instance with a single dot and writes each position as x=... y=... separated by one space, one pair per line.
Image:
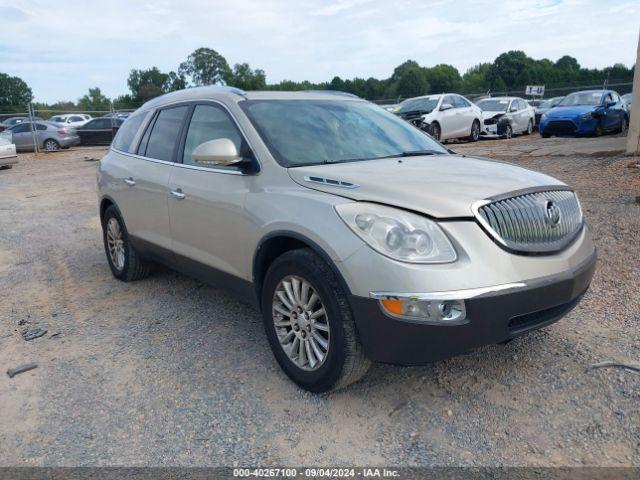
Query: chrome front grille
x=532 y=222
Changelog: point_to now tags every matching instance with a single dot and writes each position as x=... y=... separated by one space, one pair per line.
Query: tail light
x=62 y=132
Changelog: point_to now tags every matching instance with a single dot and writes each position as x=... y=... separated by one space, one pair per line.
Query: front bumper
x=493 y=317
x=568 y=126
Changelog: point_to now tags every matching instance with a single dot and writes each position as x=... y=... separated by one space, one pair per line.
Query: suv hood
x=441 y=186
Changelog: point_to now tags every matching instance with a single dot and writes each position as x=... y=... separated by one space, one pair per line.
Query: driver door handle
x=129 y=181
x=177 y=194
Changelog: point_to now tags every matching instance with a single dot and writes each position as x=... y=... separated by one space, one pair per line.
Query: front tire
x=436 y=132
x=124 y=261
x=309 y=323
x=508 y=132
x=623 y=125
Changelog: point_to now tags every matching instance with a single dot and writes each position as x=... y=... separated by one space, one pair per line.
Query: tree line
x=509 y=72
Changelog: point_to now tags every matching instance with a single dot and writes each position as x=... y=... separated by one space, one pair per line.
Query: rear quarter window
x=127 y=132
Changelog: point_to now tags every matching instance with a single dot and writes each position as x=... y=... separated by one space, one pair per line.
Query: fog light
x=429 y=311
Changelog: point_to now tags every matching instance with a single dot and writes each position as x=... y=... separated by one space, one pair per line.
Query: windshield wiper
x=416 y=153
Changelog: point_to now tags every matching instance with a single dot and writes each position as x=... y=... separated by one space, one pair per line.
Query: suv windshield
x=311 y=132
x=581 y=98
x=491 y=105
x=425 y=105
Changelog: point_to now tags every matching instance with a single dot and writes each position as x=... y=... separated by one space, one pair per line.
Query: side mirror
x=445 y=106
x=513 y=109
x=220 y=151
x=610 y=103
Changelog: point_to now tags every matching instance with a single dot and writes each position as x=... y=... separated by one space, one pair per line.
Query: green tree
x=412 y=82
x=150 y=83
x=513 y=68
x=475 y=79
x=245 y=78
x=175 y=81
x=443 y=78
x=205 y=66
x=15 y=94
x=94 y=101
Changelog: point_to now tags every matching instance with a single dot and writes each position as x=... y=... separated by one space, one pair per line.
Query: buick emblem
x=551 y=213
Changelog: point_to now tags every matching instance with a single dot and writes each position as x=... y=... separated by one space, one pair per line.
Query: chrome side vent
x=329 y=181
x=533 y=222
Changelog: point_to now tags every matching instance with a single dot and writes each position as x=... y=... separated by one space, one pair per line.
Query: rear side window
x=127 y=132
x=165 y=132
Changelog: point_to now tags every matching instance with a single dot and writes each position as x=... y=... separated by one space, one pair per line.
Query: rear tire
x=124 y=261
x=344 y=361
x=475 y=131
x=529 y=129
x=51 y=145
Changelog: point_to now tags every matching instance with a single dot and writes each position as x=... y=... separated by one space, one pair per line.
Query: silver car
x=359 y=237
x=50 y=136
x=506 y=116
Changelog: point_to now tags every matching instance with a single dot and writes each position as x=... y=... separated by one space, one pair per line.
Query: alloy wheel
x=51 y=146
x=475 y=131
x=301 y=323
x=509 y=132
x=115 y=243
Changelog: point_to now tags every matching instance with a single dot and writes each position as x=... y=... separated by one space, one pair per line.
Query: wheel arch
x=106 y=202
x=276 y=243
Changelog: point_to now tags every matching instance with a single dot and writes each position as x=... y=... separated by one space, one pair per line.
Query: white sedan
x=445 y=116
x=506 y=116
x=8 y=155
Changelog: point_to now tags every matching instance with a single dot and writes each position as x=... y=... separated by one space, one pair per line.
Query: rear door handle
x=129 y=181
x=177 y=194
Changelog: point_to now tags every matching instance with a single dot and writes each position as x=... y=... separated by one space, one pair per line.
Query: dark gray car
x=50 y=136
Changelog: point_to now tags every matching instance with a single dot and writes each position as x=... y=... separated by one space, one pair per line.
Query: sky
x=62 y=48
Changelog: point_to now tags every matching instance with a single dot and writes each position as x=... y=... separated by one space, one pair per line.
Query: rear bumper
x=492 y=318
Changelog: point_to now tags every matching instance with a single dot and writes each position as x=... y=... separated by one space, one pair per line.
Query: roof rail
x=226 y=88
x=333 y=92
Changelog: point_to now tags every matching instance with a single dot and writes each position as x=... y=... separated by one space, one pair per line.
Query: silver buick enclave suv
x=358 y=236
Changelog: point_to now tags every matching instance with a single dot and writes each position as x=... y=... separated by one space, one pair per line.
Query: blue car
x=591 y=112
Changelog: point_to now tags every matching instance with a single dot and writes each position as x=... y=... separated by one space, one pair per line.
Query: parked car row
x=452 y=116
x=52 y=136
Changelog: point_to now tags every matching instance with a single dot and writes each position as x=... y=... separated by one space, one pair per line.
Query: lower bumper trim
x=494 y=317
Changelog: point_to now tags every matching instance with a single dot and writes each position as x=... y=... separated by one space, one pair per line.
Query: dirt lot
x=168 y=371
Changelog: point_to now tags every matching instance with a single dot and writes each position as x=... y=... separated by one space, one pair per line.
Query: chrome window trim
x=181 y=165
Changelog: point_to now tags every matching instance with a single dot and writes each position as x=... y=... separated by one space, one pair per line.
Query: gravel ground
x=168 y=371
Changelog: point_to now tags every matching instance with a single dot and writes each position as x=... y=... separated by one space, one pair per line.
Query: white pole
x=633 y=136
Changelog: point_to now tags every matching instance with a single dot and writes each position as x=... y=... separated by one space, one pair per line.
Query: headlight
x=586 y=116
x=398 y=234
